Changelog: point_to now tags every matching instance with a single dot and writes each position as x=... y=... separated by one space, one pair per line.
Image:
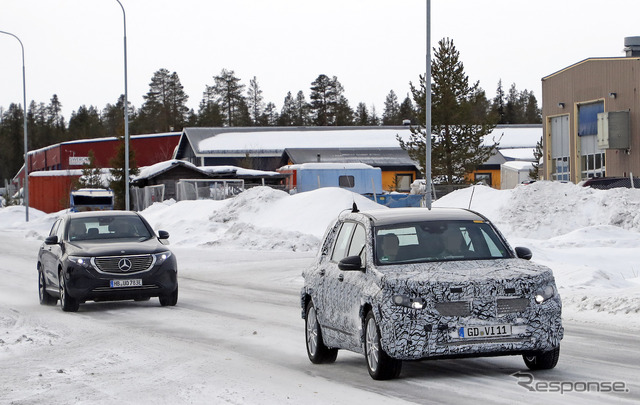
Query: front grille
x=511 y=305
x=454 y=308
x=111 y=264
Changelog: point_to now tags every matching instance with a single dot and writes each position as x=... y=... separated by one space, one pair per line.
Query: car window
x=107 y=227
x=342 y=241
x=54 y=228
x=358 y=241
x=438 y=241
x=60 y=230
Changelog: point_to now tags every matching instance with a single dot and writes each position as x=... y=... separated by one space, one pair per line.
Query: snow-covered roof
x=53 y=173
x=161 y=167
x=93 y=192
x=274 y=140
x=518 y=165
x=515 y=136
x=238 y=171
x=518 y=154
x=326 y=166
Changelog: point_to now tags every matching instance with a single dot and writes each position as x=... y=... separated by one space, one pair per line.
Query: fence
x=208 y=189
x=146 y=196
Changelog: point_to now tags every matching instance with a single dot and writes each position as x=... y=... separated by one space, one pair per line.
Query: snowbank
x=590 y=238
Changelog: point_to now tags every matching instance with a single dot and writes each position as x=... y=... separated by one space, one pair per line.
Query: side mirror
x=350 y=263
x=51 y=240
x=524 y=253
x=163 y=235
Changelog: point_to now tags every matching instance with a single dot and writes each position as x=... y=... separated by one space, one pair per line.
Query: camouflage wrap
x=453 y=295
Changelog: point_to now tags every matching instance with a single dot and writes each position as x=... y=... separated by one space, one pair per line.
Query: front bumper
x=412 y=334
x=87 y=284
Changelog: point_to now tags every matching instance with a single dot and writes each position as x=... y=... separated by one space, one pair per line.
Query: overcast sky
x=74 y=48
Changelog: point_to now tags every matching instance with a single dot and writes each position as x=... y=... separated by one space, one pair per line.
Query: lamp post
x=427 y=125
x=126 y=116
x=26 y=148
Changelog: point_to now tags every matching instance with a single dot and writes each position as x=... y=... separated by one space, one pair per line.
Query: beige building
x=591 y=118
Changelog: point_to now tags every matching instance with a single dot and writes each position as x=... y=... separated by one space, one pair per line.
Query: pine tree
x=288 y=111
x=228 y=91
x=85 y=124
x=165 y=106
x=55 y=121
x=11 y=139
x=534 y=173
x=255 y=101
x=497 y=106
x=374 y=120
x=269 y=117
x=91 y=174
x=209 y=113
x=514 y=108
x=457 y=141
x=302 y=111
x=343 y=113
x=391 y=114
x=117 y=182
x=407 y=111
x=361 y=115
x=326 y=98
x=532 y=114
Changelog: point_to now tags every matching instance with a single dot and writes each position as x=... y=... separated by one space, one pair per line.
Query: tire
x=45 y=297
x=379 y=364
x=67 y=302
x=542 y=360
x=169 y=300
x=316 y=350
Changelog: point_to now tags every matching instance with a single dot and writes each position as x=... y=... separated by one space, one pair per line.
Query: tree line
x=229 y=102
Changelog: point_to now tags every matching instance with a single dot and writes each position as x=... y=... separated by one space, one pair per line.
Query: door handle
x=341 y=277
x=321 y=272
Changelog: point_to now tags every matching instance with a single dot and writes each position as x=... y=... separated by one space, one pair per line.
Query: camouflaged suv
x=411 y=283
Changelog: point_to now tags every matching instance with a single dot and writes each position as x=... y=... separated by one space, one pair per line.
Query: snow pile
x=544 y=209
x=260 y=218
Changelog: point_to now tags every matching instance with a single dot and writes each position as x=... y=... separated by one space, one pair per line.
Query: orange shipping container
x=49 y=190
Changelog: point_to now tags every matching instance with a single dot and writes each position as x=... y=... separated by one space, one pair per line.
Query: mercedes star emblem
x=124 y=264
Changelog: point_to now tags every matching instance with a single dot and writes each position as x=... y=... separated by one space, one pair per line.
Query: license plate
x=135 y=282
x=484 y=331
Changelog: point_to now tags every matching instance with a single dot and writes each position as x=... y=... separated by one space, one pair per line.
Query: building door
x=560 y=151
x=591 y=157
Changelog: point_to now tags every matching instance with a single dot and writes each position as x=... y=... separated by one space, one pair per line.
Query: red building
x=149 y=149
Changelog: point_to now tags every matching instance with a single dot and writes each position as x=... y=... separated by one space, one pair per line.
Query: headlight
x=545 y=293
x=81 y=261
x=409 y=302
x=161 y=257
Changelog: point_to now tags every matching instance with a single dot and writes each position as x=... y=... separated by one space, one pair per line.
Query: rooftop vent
x=632 y=46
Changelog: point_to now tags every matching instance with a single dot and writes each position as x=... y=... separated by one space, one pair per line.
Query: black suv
x=411 y=283
x=105 y=256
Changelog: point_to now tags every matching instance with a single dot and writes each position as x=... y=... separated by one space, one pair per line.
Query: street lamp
x=126 y=116
x=427 y=127
x=26 y=148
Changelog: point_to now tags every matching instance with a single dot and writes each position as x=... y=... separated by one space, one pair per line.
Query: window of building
x=346 y=181
x=482 y=178
x=403 y=182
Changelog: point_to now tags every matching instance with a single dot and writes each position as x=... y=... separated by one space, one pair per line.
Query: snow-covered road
x=236 y=337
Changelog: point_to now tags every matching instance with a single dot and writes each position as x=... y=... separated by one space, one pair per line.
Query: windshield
x=107 y=227
x=438 y=241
